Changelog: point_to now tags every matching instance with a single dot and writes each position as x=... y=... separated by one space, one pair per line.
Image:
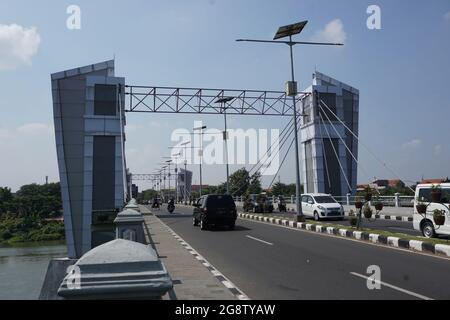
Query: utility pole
x=224 y=101
x=185 y=171
x=200 y=152
x=291 y=90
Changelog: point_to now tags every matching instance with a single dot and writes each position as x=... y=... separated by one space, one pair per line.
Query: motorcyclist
x=171 y=205
x=281 y=204
x=155 y=203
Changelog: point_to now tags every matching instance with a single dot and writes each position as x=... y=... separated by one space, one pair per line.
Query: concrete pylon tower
x=89 y=131
x=327 y=164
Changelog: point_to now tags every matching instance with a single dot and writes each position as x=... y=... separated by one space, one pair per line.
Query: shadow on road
x=172 y=215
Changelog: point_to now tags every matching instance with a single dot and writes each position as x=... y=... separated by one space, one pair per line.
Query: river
x=23 y=268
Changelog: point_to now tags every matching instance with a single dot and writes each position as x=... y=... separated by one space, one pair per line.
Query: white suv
x=321 y=206
x=425 y=222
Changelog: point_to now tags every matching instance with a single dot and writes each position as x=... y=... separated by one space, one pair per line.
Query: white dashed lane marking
x=262 y=241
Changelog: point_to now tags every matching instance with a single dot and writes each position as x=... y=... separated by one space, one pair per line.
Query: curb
x=412 y=245
x=396 y=218
x=235 y=291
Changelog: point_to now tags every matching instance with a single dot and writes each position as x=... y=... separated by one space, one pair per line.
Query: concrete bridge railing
x=397 y=200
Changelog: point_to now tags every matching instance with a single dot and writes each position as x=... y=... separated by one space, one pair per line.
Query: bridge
x=266 y=257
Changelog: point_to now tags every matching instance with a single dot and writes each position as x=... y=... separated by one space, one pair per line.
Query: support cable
x=325 y=157
x=343 y=141
x=367 y=148
x=284 y=139
x=288 y=127
x=282 y=162
x=336 y=154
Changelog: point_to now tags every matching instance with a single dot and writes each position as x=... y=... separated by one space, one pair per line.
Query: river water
x=23 y=268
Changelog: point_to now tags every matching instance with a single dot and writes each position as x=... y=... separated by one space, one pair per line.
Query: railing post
x=348 y=198
x=397 y=200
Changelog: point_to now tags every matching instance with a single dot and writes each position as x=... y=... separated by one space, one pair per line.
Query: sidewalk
x=192 y=280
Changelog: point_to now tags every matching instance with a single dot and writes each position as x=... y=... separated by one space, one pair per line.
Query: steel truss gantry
x=150 y=177
x=203 y=101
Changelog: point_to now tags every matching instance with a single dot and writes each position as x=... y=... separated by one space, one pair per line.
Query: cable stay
x=336 y=154
x=364 y=145
x=264 y=160
x=343 y=141
x=282 y=162
x=325 y=157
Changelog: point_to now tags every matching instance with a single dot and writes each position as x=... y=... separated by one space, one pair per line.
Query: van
x=424 y=222
x=215 y=209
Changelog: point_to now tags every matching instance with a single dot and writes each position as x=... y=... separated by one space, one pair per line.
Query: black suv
x=215 y=209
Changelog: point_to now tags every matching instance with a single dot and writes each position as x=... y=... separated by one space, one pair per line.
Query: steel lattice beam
x=202 y=101
x=150 y=177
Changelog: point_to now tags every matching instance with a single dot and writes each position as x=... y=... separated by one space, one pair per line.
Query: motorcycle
x=171 y=207
x=155 y=205
x=281 y=205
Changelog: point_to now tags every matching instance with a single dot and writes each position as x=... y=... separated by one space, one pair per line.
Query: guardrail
x=388 y=201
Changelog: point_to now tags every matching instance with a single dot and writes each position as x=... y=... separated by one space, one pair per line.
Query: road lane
x=304 y=265
x=379 y=224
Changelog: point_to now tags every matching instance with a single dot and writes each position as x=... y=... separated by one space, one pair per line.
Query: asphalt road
x=270 y=262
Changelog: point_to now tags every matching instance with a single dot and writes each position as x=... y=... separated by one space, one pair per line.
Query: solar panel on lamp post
x=224 y=101
x=291 y=90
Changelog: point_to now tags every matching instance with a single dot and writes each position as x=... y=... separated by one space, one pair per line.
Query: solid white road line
x=392 y=286
x=253 y=238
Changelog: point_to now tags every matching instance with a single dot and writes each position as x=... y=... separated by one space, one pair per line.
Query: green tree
x=149 y=194
x=255 y=184
x=284 y=189
x=221 y=188
x=39 y=200
x=239 y=182
x=6 y=199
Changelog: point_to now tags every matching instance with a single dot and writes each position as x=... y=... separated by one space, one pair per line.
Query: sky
x=401 y=70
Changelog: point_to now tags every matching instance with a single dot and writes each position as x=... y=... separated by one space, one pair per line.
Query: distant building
x=328 y=149
x=392 y=183
x=182 y=183
x=435 y=181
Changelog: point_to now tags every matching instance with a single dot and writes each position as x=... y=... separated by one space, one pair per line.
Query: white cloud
x=332 y=32
x=17 y=45
x=437 y=150
x=28 y=155
x=35 y=129
x=414 y=143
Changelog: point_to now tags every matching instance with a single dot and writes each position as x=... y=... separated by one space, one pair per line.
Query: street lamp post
x=184 y=144
x=169 y=162
x=289 y=31
x=164 y=182
x=175 y=156
x=184 y=193
x=224 y=101
x=200 y=154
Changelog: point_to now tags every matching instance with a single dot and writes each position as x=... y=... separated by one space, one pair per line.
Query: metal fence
x=388 y=201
